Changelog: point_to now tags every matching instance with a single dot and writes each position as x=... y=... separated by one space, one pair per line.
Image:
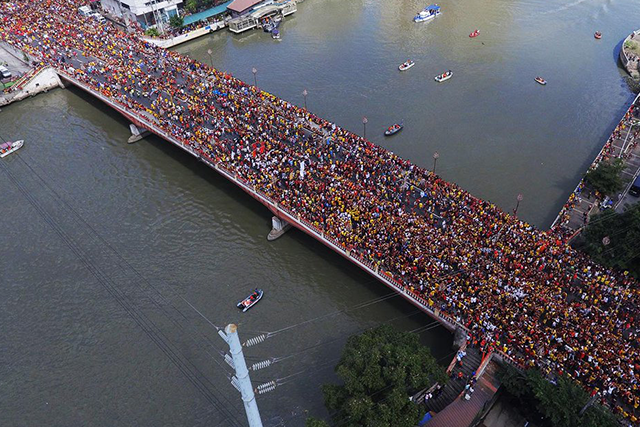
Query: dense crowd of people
x=517 y=290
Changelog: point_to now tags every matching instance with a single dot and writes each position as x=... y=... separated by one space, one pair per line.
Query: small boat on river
x=427 y=14
x=251 y=300
x=541 y=81
x=406 y=65
x=392 y=130
x=475 y=33
x=444 y=76
x=275 y=34
x=9 y=147
x=598 y=35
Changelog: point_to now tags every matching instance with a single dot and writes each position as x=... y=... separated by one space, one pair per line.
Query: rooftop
x=221 y=8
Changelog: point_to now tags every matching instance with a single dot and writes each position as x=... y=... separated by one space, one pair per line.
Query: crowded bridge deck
x=518 y=291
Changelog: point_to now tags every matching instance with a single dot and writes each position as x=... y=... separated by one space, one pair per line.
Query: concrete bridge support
x=279 y=227
x=136 y=134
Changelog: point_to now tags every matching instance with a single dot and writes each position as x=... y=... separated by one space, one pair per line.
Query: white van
x=84 y=10
x=4 y=72
x=101 y=19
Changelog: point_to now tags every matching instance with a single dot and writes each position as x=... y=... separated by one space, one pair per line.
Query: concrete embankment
x=584 y=201
x=37 y=81
x=183 y=38
x=29 y=80
x=630 y=54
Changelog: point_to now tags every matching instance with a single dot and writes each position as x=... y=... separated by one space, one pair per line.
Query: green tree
x=623 y=233
x=191 y=6
x=314 y=422
x=559 y=404
x=153 y=32
x=176 y=21
x=606 y=178
x=380 y=369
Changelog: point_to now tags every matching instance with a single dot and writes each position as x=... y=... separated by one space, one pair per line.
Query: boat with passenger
x=428 y=13
x=444 y=76
x=275 y=34
x=251 y=300
x=541 y=80
x=406 y=65
x=598 y=35
x=475 y=33
x=392 y=130
x=9 y=147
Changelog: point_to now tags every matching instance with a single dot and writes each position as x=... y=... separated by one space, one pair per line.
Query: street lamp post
x=255 y=79
x=518 y=200
x=210 y=52
x=304 y=94
x=435 y=161
x=364 y=127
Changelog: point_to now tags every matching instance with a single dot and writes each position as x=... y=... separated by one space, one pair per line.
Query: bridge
x=521 y=292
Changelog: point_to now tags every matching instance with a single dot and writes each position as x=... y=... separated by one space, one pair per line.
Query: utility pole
x=241 y=380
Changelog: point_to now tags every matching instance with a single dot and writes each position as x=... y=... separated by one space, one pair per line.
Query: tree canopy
x=606 y=178
x=558 y=404
x=622 y=231
x=380 y=370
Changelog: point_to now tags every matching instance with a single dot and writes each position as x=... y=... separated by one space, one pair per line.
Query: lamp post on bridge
x=304 y=94
x=255 y=79
x=210 y=52
x=518 y=200
x=436 y=156
x=364 y=127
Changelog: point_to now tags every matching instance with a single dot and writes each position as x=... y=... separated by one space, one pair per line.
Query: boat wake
x=565 y=7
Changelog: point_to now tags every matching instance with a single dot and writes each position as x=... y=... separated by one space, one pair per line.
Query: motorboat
x=9 y=147
x=444 y=76
x=251 y=300
x=428 y=13
x=475 y=33
x=541 y=81
x=406 y=65
x=275 y=34
x=598 y=35
x=392 y=130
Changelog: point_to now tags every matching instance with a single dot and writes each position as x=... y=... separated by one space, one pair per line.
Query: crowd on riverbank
x=517 y=289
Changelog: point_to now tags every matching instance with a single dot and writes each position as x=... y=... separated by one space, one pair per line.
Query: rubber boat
x=598 y=35
x=251 y=300
x=428 y=13
x=444 y=76
x=406 y=65
x=541 y=81
x=392 y=130
x=9 y=147
x=476 y=33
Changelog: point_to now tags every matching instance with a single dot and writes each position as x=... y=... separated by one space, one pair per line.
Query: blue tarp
x=432 y=7
x=424 y=420
x=221 y=8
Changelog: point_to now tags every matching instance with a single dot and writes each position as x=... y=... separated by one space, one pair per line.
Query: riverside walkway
x=517 y=291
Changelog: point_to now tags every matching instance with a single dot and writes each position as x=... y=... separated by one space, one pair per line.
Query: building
x=144 y=12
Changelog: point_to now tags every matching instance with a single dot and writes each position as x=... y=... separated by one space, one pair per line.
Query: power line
x=149 y=327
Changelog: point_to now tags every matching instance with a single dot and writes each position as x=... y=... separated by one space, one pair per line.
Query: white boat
x=406 y=65
x=428 y=13
x=7 y=148
x=444 y=76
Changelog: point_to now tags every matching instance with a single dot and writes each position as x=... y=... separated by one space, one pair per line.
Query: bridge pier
x=279 y=227
x=136 y=134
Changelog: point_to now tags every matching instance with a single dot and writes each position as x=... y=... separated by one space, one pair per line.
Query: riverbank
x=583 y=201
x=630 y=54
x=30 y=80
